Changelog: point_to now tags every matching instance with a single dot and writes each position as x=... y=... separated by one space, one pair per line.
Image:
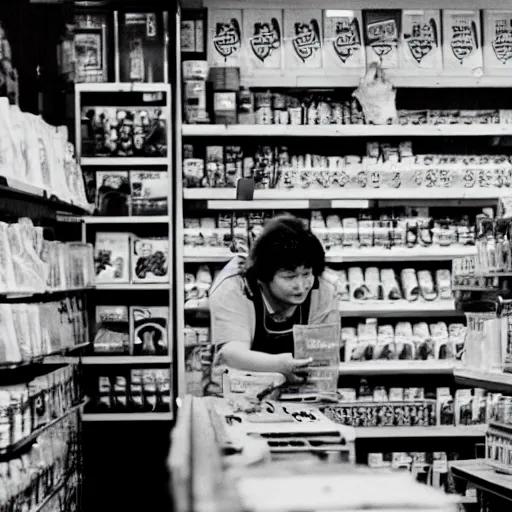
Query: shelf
x=369 y=254
x=135 y=219
x=135 y=416
x=333 y=130
x=133 y=287
x=40 y=295
x=127 y=360
x=419 y=432
x=12 y=451
x=108 y=161
x=482 y=476
x=399 y=308
x=493 y=381
x=121 y=87
x=367 y=368
x=47 y=358
x=324 y=197
x=285 y=204
x=336 y=81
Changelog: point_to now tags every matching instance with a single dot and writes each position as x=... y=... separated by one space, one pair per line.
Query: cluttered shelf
x=420 y=432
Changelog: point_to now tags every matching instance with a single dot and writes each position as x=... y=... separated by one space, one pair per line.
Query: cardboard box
x=303 y=40
x=420 y=45
x=462 y=42
x=343 y=45
x=224 y=37
x=498 y=41
x=262 y=45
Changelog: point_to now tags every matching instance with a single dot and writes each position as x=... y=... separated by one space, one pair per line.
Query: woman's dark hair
x=285 y=243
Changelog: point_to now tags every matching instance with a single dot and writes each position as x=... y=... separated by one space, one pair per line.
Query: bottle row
x=39 y=155
x=124 y=132
x=32 y=264
x=29 y=480
x=135 y=330
x=26 y=407
x=498 y=451
x=405 y=341
x=147 y=390
x=126 y=258
x=383 y=167
x=33 y=330
x=411 y=407
x=124 y=193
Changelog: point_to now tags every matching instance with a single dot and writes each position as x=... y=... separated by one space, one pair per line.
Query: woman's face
x=292 y=286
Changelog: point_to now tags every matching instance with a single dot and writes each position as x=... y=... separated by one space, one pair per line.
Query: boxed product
x=112 y=330
x=112 y=257
x=498 y=40
x=113 y=193
x=462 y=51
x=149 y=331
x=303 y=39
x=149 y=260
x=224 y=37
x=343 y=46
x=150 y=190
x=420 y=47
x=445 y=407
x=382 y=35
x=262 y=40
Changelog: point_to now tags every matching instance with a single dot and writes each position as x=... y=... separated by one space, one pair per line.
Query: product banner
x=224 y=37
x=421 y=40
x=498 y=40
x=343 y=46
x=382 y=35
x=462 y=50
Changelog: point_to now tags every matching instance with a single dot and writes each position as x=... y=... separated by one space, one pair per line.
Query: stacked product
x=198 y=358
x=409 y=407
x=123 y=258
x=39 y=155
x=147 y=390
x=124 y=132
x=406 y=341
x=499 y=436
x=28 y=407
x=134 y=330
x=29 y=478
x=384 y=166
x=32 y=264
x=33 y=330
x=122 y=193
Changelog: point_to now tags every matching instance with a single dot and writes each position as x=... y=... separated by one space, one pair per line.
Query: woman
x=254 y=303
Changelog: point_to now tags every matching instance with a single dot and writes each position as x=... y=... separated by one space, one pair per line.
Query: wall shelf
x=127 y=417
x=493 y=381
x=134 y=219
x=367 y=368
x=399 y=308
x=419 y=432
x=133 y=286
x=124 y=161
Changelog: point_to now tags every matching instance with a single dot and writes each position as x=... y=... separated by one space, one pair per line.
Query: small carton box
x=112 y=257
x=150 y=190
x=149 y=331
x=150 y=260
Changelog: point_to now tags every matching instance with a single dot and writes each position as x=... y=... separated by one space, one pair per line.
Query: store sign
x=498 y=39
x=225 y=37
x=382 y=37
x=303 y=38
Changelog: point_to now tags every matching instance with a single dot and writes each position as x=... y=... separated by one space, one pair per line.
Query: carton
x=224 y=37
x=343 y=45
x=148 y=328
x=112 y=257
x=150 y=260
x=462 y=44
x=303 y=40
x=262 y=45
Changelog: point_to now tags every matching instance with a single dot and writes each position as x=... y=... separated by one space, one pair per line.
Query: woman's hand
x=293 y=369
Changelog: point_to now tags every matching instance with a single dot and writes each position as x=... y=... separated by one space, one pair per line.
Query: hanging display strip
x=276 y=42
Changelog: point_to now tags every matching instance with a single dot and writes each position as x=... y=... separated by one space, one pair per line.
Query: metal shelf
x=132 y=286
x=134 y=219
x=124 y=161
x=399 y=308
x=333 y=130
x=367 y=368
x=126 y=360
x=135 y=416
x=419 y=432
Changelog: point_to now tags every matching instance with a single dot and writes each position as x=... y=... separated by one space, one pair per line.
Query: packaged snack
x=112 y=257
x=150 y=260
x=410 y=284
x=372 y=282
x=445 y=407
x=390 y=286
x=426 y=285
x=112 y=330
x=150 y=190
x=149 y=330
x=385 y=348
x=358 y=288
x=424 y=344
x=443 y=346
x=444 y=284
x=404 y=343
x=137 y=390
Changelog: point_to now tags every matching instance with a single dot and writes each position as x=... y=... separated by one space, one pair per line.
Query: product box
x=445 y=407
x=343 y=45
x=112 y=330
x=150 y=191
x=303 y=40
x=150 y=260
x=462 y=43
x=149 y=331
x=420 y=45
x=113 y=193
x=224 y=37
x=319 y=342
x=498 y=41
x=112 y=257
x=382 y=36
x=262 y=41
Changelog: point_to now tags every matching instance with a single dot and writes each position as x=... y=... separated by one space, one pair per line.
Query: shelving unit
x=371 y=368
x=419 y=432
x=127 y=417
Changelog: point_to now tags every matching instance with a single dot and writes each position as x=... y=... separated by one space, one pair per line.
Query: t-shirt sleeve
x=229 y=316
